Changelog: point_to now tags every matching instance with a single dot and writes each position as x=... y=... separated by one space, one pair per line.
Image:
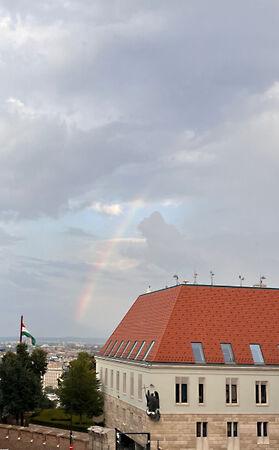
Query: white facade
x=163 y=378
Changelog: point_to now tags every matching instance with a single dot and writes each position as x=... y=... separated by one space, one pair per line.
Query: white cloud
x=111 y=210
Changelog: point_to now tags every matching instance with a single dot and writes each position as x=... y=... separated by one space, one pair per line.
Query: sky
x=138 y=141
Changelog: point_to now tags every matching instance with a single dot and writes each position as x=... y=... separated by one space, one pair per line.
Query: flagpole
x=20 y=335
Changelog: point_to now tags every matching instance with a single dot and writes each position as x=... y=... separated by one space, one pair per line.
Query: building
x=212 y=355
x=53 y=373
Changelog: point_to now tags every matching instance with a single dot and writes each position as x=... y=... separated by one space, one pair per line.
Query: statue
x=153 y=405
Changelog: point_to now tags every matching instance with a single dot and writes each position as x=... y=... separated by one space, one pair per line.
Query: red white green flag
x=26 y=333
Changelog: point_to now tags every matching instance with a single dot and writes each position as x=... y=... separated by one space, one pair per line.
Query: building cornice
x=194 y=367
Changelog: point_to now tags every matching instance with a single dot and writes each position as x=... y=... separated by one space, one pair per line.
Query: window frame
x=201 y=430
x=201 y=383
x=259 y=394
x=140 y=350
x=256 y=352
x=198 y=347
x=148 y=350
x=262 y=429
x=181 y=391
x=226 y=348
x=124 y=349
x=232 y=429
x=232 y=387
x=132 y=349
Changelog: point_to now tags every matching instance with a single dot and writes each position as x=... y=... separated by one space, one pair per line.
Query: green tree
x=20 y=383
x=79 y=389
x=39 y=362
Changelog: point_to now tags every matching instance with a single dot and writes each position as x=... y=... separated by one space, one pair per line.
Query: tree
x=20 y=383
x=79 y=389
x=39 y=361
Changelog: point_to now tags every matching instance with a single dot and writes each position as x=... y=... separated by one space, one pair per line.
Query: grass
x=57 y=418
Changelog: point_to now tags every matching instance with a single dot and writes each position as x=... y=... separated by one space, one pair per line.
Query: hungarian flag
x=25 y=332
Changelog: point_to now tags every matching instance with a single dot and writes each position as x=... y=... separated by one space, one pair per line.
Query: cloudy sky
x=138 y=140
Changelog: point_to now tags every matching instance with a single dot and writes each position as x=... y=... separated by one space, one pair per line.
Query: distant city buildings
x=197 y=367
x=52 y=375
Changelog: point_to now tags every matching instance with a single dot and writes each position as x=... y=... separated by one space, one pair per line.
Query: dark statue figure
x=153 y=405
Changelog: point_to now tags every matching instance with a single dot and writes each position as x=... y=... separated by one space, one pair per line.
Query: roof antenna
x=176 y=278
x=195 y=277
x=212 y=275
x=262 y=278
x=241 y=279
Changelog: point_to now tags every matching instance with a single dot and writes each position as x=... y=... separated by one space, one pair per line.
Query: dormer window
x=228 y=353
x=198 y=352
x=257 y=353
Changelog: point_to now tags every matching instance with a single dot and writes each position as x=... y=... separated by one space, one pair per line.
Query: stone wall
x=178 y=431
x=14 y=438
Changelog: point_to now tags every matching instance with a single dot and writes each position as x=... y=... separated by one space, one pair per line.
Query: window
x=132 y=384
x=132 y=349
x=106 y=377
x=113 y=348
x=257 y=353
x=119 y=347
x=181 y=390
x=140 y=349
x=111 y=378
x=201 y=429
x=262 y=429
x=261 y=392
x=148 y=350
x=124 y=350
x=101 y=374
x=124 y=382
x=201 y=391
x=140 y=386
x=227 y=353
x=198 y=352
x=232 y=429
x=117 y=380
x=231 y=391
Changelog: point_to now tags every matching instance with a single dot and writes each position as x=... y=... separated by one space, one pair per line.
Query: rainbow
x=87 y=294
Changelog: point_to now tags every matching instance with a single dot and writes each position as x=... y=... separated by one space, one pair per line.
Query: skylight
x=124 y=350
x=140 y=349
x=132 y=349
x=113 y=347
x=148 y=350
x=198 y=352
x=257 y=353
x=108 y=347
x=119 y=347
x=227 y=353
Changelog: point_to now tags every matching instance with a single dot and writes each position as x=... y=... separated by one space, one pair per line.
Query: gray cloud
x=108 y=103
x=109 y=97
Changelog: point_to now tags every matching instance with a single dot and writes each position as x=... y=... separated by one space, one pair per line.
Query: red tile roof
x=175 y=317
